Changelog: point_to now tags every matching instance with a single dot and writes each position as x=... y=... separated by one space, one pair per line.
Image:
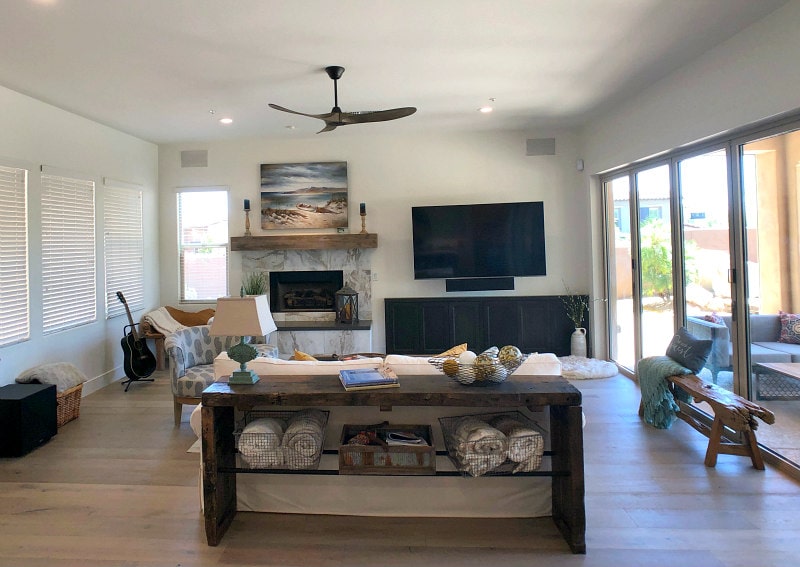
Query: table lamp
x=246 y=317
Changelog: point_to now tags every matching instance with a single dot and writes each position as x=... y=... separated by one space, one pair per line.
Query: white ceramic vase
x=578 y=342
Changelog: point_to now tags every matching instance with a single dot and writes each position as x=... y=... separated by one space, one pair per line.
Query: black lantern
x=346 y=305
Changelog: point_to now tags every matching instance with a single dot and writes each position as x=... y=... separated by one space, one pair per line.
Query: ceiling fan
x=336 y=117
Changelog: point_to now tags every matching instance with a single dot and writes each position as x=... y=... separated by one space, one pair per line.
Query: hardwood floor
x=116 y=487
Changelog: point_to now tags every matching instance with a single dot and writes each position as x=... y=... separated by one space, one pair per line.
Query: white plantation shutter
x=14 y=303
x=124 y=249
x=203 y=244
x=69 y=296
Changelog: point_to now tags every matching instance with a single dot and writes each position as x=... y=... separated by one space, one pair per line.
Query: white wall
x=390 y=173
x=35 y=134
x=751 y=77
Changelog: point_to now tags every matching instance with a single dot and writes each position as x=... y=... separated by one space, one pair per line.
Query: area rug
x=581 y=368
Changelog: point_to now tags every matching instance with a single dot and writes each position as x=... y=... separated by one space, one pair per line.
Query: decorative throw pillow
x=455 y=351
x=299 y=355
x=189 y=318
x=790 y=328
x=714 y=318
x=689 y=351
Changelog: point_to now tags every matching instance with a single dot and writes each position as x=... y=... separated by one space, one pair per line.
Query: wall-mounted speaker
x=540 y=147
x=479 y=284
x=194 y=158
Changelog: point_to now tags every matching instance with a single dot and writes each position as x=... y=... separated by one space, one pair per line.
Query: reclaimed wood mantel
x=304 y=242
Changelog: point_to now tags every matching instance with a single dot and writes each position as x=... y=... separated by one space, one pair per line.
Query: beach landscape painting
x=304 y=195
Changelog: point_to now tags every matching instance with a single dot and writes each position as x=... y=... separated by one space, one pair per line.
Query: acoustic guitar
x=139 y=362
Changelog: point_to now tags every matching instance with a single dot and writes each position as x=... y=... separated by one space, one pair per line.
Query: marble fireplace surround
x=296 y=330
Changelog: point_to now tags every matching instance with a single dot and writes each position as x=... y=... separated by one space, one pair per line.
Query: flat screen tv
x=479 y=240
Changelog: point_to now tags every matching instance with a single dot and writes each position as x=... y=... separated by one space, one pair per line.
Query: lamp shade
x=243 y=316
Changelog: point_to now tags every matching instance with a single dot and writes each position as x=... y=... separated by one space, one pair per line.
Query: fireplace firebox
x=312 y=290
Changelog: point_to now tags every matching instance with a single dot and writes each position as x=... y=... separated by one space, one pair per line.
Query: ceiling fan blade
x=320 y=116
x=336 y=117
x=376 y=115
x=328 y=127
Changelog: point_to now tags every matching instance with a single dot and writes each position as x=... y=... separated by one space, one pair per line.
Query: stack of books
x=367 y=378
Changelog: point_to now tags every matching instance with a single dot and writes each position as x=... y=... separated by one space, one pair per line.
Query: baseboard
x=98 y=382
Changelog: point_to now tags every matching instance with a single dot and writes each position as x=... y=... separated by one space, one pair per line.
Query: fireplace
x=302 y=291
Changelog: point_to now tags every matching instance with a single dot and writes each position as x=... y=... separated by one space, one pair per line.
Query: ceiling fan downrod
x=335 y=72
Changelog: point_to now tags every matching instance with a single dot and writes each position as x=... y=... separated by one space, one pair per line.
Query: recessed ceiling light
x=289 y=127
x=225 y=120
x=485 y=109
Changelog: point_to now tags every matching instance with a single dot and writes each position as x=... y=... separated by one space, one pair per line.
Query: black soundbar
x=479 y=284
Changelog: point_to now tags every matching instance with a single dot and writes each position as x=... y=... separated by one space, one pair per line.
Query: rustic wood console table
x=566 y=435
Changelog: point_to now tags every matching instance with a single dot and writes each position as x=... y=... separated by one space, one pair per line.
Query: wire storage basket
x=281 y=439
x=493 y=444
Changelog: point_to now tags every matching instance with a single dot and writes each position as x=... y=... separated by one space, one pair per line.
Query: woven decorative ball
x=482 y=372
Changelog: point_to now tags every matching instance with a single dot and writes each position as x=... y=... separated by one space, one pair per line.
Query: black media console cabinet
x=430 y=325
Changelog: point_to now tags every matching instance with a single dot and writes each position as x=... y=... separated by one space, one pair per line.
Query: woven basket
x=471 y=375
x=68 y=405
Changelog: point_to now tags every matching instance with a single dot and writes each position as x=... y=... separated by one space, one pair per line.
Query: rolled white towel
x=525 y=444
x=479 y=446
x=302 y=440
x=260 y=443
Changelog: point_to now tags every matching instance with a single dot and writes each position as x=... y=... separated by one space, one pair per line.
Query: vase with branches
x=577 y=307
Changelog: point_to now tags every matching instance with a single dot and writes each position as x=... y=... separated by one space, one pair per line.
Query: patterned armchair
x=191 y=353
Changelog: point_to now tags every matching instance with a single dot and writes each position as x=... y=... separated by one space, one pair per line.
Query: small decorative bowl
x=478 y=375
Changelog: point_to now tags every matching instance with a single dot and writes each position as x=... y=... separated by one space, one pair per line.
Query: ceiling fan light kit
x=336 y=117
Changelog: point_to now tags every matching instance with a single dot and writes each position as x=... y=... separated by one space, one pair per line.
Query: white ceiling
x=155 y=68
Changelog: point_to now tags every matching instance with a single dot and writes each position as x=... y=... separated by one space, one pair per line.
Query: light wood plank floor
x=117 y=488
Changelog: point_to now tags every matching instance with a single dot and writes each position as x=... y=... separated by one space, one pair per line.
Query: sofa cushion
x=196 y=379
x=689 y=351
x=537 y=364
x=279 y=367
x=774 y=352
x=790 y=328
x=764 y=327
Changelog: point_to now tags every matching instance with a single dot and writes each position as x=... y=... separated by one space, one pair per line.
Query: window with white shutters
x=123 y=248
x=203 y=244
x=69 y=295
x=14 y=302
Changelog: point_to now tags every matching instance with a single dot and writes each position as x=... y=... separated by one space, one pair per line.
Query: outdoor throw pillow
x=689 y=351
x=790 y=328
x=714 y=318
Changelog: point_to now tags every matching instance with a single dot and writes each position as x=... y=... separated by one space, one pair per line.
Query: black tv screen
x=480 y=240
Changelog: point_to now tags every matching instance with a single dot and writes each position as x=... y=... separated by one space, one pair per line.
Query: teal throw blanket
x=659 y=404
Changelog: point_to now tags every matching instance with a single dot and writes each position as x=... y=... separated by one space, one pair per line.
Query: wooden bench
x=148 y=332
x=733 y=429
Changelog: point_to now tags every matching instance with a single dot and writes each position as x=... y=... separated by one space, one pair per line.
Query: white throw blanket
x=260 y=443
x=302 y=440
x=63 y=374
x=525 y=444
x=479 y=446
x=162 y=321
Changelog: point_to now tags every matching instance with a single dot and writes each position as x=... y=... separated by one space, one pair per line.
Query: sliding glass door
x=710 y=238
x=770 y=175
